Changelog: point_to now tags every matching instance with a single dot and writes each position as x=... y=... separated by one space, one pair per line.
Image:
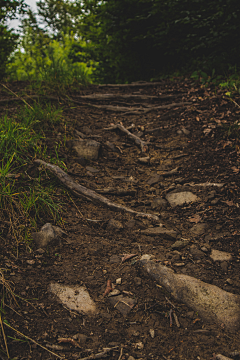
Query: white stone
x=119 y=281
x=75 y=298
x=217 y=255
x=184 y=197
x=152 y=333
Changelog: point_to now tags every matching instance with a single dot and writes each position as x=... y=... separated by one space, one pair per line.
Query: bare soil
x=192 y=138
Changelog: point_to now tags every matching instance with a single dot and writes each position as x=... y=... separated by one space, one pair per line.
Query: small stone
x=184 y=197
x=185 y=131
x=123 y=304
x=88 y=149
x=40 y=251
x=118 y=281
x=137 y=281
x=139 y=345
x=114 y=224
x=196 y=253
x=224 y=266
x=144 y=160
x=86 y=130
x=131 y=358
x=204 y=249
x=115 y=292
x=104 y=271
x=82 y=338
x=152 y=333
x=154 y=180
x=230 y=281
x=75 y=298
x=215 y=201
x=92 y=169
x=115 y=259
x=159 y=203
x=199 y=229
x=130 y=224
x=47 y=234
x=30 y=262
x=180 y=244
x=217 y=255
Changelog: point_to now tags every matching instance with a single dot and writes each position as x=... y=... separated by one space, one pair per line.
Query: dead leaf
x=128 y=256
x=109 y=288
x=235 y=169
x=196 y=218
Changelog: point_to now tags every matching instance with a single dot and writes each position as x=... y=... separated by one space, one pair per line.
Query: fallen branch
x=101 y=97
x=90 y=195
x=127 y=110
x=118 y=192
x=99 y=355
x=135 y=84
x=136 y=139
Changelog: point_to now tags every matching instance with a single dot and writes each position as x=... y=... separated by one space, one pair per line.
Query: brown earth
x=192 y=138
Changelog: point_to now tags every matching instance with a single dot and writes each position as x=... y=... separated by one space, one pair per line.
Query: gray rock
x=224 y=266
x=124 y=304
x=222 y=357
x=180 y=244
x=154 y=180
x=115 y=259
x=75 y=298
x=114 y=224
x=86 y=130
x=92 y=169
x=217 y=255
x=159 y=203
x=199 y=229
x=196 y=253
x=180 y=198
x=185 y=131
x=159 y=231
x=88 y=149
x=213 y=304
x=48 y=234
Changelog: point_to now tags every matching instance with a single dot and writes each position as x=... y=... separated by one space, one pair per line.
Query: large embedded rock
x=217 y=255
x=75 y=298
x=180 y=198
x=212 y=303
x=85 y=148
x=48 y=234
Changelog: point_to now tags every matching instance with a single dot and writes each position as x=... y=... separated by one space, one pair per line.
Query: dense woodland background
x=120 y=40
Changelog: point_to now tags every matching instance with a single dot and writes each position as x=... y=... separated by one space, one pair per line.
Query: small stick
x=27 y=337
x=99 y=355
x=170 y=316
x=176 y=319
x=4 y=337
x=136 y=139
x=121 y=352
x=170 y=302
x=108 y=288
x=17 y=96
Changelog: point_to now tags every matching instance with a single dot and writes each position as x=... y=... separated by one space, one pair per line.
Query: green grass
x=26 y=200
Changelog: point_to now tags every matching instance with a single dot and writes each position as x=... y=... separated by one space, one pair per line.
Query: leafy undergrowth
x=27 y=193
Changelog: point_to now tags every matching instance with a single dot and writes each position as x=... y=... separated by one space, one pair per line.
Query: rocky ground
x=185 y=171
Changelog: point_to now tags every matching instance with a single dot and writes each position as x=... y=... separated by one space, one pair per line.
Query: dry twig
x=99 y=355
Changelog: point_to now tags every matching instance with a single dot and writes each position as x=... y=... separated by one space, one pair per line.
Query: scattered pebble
x=118 y=281
x=217 y=255
x=152 y=333
x=184 y=197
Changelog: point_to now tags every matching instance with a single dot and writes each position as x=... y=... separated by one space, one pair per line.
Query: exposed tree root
x=91 y=195
x=135 y=138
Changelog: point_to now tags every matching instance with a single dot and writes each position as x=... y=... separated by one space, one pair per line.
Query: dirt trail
x=185 y=152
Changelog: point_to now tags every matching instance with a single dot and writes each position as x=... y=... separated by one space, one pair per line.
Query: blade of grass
x=16 y=95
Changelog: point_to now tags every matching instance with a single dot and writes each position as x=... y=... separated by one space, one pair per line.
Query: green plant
x=44 y=59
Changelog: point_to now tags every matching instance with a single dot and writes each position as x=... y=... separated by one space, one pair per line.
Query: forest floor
x=186 y=148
